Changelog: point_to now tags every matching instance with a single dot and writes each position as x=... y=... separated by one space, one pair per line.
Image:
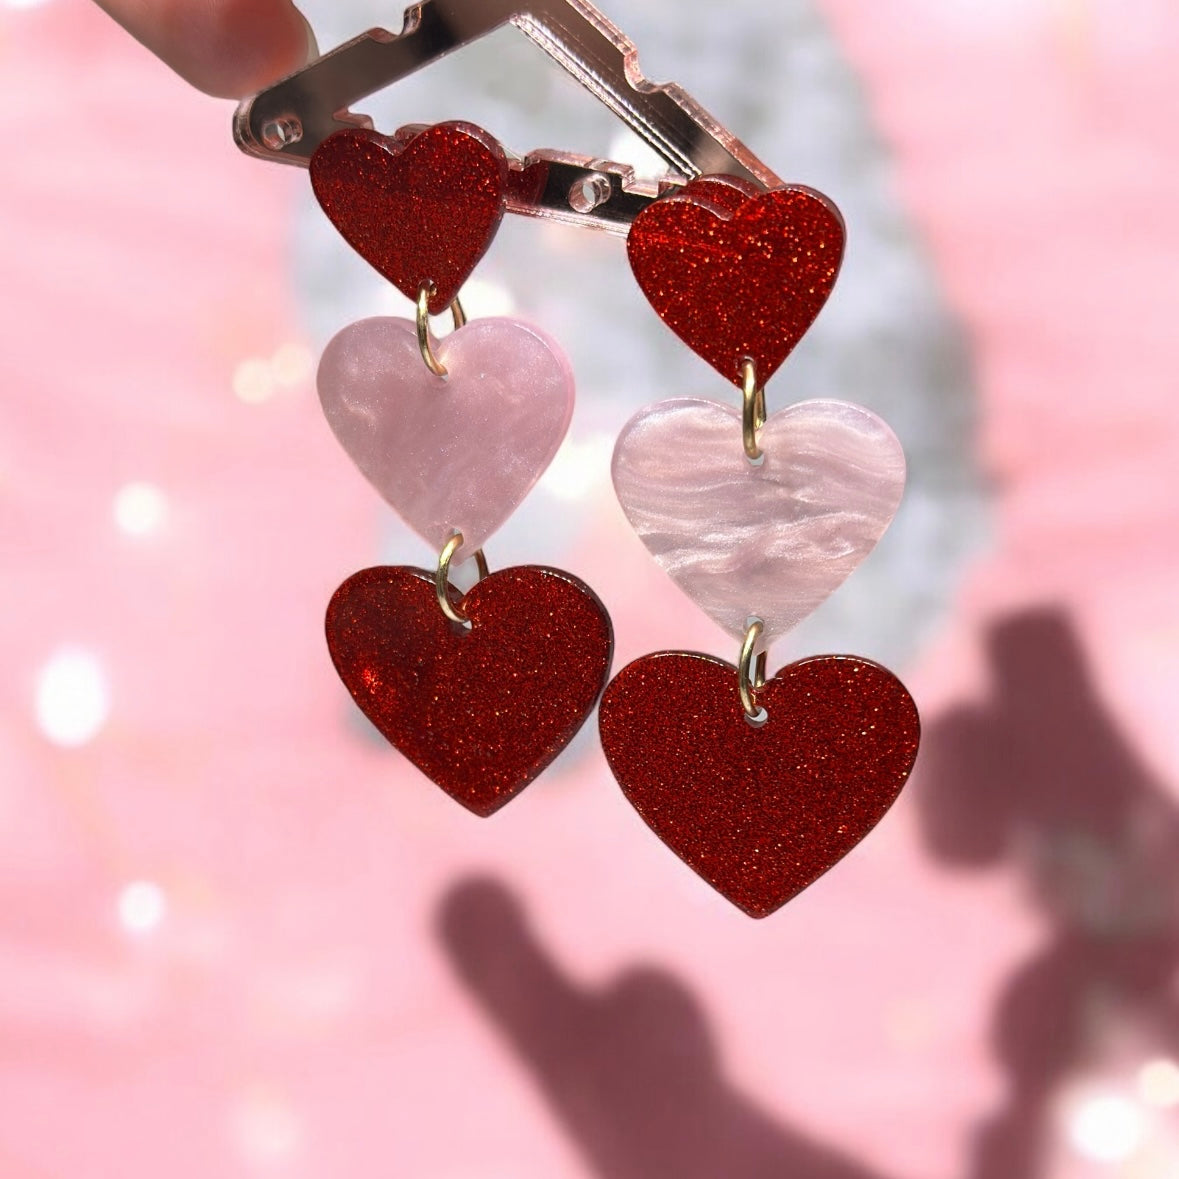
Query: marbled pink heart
x=771 y=540
x=454 y=452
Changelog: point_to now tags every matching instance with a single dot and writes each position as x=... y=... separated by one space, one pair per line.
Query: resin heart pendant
x=480 y=711
x=737 y=274
x=772 y=540
x=759 y=812
x=423 y=212
x=454 y=453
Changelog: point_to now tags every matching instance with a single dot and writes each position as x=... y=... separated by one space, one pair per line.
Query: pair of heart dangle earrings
x=759 y=784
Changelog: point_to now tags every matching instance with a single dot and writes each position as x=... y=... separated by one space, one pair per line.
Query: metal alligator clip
x=287 y=121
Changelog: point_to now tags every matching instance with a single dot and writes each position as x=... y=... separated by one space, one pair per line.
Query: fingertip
x=247 y=45
x=227 y=48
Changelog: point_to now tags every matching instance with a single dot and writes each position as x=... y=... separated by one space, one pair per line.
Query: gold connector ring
x=442 y=576
x=751 y=673
x=425 y=291
x=753 y=409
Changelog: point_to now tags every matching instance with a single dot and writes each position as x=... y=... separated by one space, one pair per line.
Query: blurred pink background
x=240 y=938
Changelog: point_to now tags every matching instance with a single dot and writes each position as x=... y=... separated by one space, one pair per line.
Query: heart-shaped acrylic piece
x=480 y=711
x=759 y=812
x=738 y=274
x=425 y=212
x=455 y=452
x=771 y=540
x=724 y=195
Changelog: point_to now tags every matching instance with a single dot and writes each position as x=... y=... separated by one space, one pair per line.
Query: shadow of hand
x=631 y=1070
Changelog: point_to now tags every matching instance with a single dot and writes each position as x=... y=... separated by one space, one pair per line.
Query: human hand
x=228 y=48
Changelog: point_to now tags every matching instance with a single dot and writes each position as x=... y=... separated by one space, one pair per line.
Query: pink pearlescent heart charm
x=454 y=452
x=771 y=540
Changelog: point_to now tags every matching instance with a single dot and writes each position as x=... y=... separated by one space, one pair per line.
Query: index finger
x=228 y=48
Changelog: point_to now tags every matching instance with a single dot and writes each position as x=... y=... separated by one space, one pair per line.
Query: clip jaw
x=287 y=121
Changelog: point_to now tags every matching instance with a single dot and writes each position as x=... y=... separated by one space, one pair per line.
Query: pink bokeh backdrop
x=238 y=939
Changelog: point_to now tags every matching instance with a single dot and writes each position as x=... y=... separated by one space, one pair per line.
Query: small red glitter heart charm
x=737 y=273
x=423 y=212
x=481 y=711
x=759 y=812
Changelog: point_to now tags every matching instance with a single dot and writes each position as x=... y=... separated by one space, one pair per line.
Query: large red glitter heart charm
x=483 y=710
x=738 y=273
x=759 y=812
x=423 y=212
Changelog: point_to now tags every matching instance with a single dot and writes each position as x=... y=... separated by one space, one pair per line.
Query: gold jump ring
x=425 y=292
x=753 y=410
x=751 y=673
x=442 y=576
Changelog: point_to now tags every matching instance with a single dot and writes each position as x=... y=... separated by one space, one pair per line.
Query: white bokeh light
x=292 y=364
x=1158 y=1083
x=253 y=381
x=142 y=906
x=140 y=508
x=72 y=697
x=1106 y=1128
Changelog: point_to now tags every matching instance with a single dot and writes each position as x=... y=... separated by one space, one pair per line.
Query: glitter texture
x=759 y=812
x=722 y=194
x=481 y=711
x=736 y=275
x=427 y=211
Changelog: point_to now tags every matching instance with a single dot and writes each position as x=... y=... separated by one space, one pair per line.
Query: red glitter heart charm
x=423 y=211
x=481 y=711
x=737 y=273
x=759 y=812
x=722 y=194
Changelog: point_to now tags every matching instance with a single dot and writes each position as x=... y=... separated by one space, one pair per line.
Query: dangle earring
x=479 y=690
x=759 y=784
